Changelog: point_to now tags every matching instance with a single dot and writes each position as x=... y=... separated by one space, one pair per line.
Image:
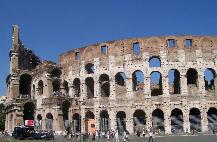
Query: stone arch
x=104 y=120
x=89 y=67
x=195 y=119
x=121 y=121
x=176 y=121
x=25 y=85
x=174 y=81
x=56 y=85
x=56 y=72
x=139 y=120
x=66 y=87
x=76 y=122
x=49 y=121
x=138 y=80
x=104 y=85
x=120 y=83
x=154 y=61
x=192 y=77
x=28 y=111
x=40 y=87
x=209 y=79
x=156 y=83
x=158 y=119
x=65 y=110
x=76 y=86
x=89 y=82
x=89 y=122
x=212 y=119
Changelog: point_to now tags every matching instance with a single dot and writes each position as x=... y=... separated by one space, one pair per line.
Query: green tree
x=2 y=117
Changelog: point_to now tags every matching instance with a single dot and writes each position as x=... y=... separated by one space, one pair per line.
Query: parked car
x=23 y=132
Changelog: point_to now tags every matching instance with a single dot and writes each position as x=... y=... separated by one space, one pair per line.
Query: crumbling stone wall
x=69 y=78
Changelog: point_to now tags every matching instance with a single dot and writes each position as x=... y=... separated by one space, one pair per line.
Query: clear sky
x=51 y=27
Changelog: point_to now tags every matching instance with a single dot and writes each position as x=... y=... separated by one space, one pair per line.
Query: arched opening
x=174 y=81
x=195 y=119
x=76 y=86
x=209 y=79
x=121 y=121
x=192 y=77
x=120 y=83
x=156 y=84
x=212 y=119
x=176 y=121
x=66 y=88
x=138 y=80
x=154 y=61
x=56 y=85
x=104 y=85
x=65 y=109
x=29 y=111
x=104 y=121
x=90 y=122
x=90 y=87
x=139 y=120
x=40 y=87
x=56 y=72
x=89 y=68
x=49 y=121
x=158 y=120
x=39 y=122
x=76 y=121
x=25 y=85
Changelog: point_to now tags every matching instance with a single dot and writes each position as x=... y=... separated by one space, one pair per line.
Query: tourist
x=151 y=135
x=116 y=136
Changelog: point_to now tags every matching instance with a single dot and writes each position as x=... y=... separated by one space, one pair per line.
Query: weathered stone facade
x=99 y=82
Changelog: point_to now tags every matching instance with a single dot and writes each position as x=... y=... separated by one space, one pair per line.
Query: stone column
x=127 y=66
x=112 y=88
x=129 y=120
x=129 y=87
x=112 y=117
x=186 y=122
x=96 y=79
x=165 y=85
x=167 y=123
x=148 y=119
x=184 y=87
x=83 y=89
x=97 y=117
x=82 y=119
x=204 y=120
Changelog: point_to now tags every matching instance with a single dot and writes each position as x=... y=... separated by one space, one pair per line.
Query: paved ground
x=183 y=138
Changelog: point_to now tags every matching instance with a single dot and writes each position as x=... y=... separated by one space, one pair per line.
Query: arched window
x=209 y=79
x=174 y=81
x=104 y=120
x=176 y=120
x=56 y=85
x=156 y=84
x=76 y=86
x=121 y=121
x=104 y=85
x=40 y=87
x=154 y=61
x=29 y=110
x=120 y=83
x=25 y=85
x=90 y=87
x=192 y=77
x=66 y=87
x=89 y=68
x=139 y=120
x=195 y=119
x=138 y=80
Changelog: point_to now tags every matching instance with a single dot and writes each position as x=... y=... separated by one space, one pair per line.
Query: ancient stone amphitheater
x=168 y=83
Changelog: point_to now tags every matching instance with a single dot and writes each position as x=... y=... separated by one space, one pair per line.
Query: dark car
x=23 y=132
x=46 y=135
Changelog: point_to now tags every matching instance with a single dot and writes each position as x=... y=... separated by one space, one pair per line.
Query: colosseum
x=164 y=82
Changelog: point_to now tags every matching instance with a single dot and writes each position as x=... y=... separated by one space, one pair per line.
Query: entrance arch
x=158 y=119
x=195 y=119
x=49 y=121
x=176 y=121
x=121 y=121
x=90 y=122
x=139 y=120
x=25 y=85
x=65 y=109
x=29 y=111
x=212 y=118
x=104 y=120
x=76 y=121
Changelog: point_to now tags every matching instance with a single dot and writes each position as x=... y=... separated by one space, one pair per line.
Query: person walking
x=151 y=135
x=116 y=136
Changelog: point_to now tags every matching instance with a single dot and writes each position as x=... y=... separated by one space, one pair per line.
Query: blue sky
x=51 y=27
